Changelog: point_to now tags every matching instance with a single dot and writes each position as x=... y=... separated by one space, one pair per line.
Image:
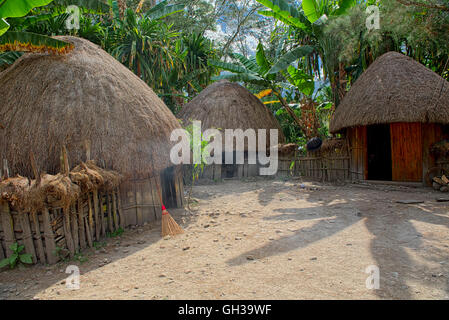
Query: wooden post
x=88 y=233
x=68 y=232
x=8 y=226
x=64 y=161
x=102 y=221
x=75 y=229
x=96 y=211
x=82 y=233
x=36 y=172
x=87 y=145
x=5 y=169
x=139 y=208
x=155 y=197
x=120 y=210
x=90 y=214
x=114 y=210
x=50 y=244
x=27 y=236
x=2 y=254
x=109 y=208
x=38 y=237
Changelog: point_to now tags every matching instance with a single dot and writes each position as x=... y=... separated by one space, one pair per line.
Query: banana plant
x=307 y=22
x=22 y=41
x=256 y=70
x=309 y=18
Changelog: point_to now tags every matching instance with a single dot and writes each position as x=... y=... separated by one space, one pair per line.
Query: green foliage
x=98 y=245
x=117 y=233
x=17 y=257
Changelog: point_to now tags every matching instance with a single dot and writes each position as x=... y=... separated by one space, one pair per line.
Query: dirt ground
x=267 y=239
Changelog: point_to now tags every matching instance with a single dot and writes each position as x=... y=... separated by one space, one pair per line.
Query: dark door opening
x=228 y=170
x=379 y=153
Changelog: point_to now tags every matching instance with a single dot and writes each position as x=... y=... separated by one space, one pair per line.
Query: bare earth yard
x=268 y=239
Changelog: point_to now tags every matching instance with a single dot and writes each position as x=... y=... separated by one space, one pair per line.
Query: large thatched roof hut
x=227 y=105
x=392 y=116
x=87 y=106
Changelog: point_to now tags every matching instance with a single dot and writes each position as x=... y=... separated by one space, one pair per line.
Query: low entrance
x=379 y=153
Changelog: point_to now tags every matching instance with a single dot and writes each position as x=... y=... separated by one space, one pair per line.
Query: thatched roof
x=84 y=97
x=395 y=88
x=227 y=105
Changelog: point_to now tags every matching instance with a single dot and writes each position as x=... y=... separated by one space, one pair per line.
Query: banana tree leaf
x=241 y=77
x=226 y=66
x=311 y=10
x=19 y=8
x=4 y=26
x=282 y=11
x=249 y=64
x=290 y=57
x=302 y=80
x=163 y=10
x=262 y=60
x=345 y=5
x=32 y=42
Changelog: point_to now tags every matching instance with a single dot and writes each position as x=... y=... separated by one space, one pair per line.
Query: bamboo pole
x=27 y=236
x=38 y=237
x=50 y=244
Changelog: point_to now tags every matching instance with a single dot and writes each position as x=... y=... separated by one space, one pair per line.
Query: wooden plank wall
x=406 y=152
x=357 y=141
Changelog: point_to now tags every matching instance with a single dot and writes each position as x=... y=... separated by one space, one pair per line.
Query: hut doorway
x=379 y=153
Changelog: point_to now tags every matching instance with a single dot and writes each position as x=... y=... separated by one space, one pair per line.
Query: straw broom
x=169 y=225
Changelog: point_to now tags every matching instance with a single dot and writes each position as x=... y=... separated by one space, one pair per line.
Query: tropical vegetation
x=299 y=57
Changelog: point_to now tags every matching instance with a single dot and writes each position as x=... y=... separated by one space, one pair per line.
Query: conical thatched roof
x=49 y=101
x=395 y=88
x=227 y=105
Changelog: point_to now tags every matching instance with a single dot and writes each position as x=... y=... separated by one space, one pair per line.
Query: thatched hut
x=227 y=105
x=392 y=116
x=85 y=108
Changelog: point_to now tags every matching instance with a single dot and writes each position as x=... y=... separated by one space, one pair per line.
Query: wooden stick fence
x=55 y=233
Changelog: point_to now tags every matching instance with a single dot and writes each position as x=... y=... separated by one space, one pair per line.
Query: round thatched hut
x=392 y=116
x=227 y=105
x=83 y=107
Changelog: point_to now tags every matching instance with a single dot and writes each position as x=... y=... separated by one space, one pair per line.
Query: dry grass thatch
x=91 y=177
x=395 y=88
x=226 y=105
x=287 y=150
x=83 y=98
x=57 y=191
x=333 y=145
